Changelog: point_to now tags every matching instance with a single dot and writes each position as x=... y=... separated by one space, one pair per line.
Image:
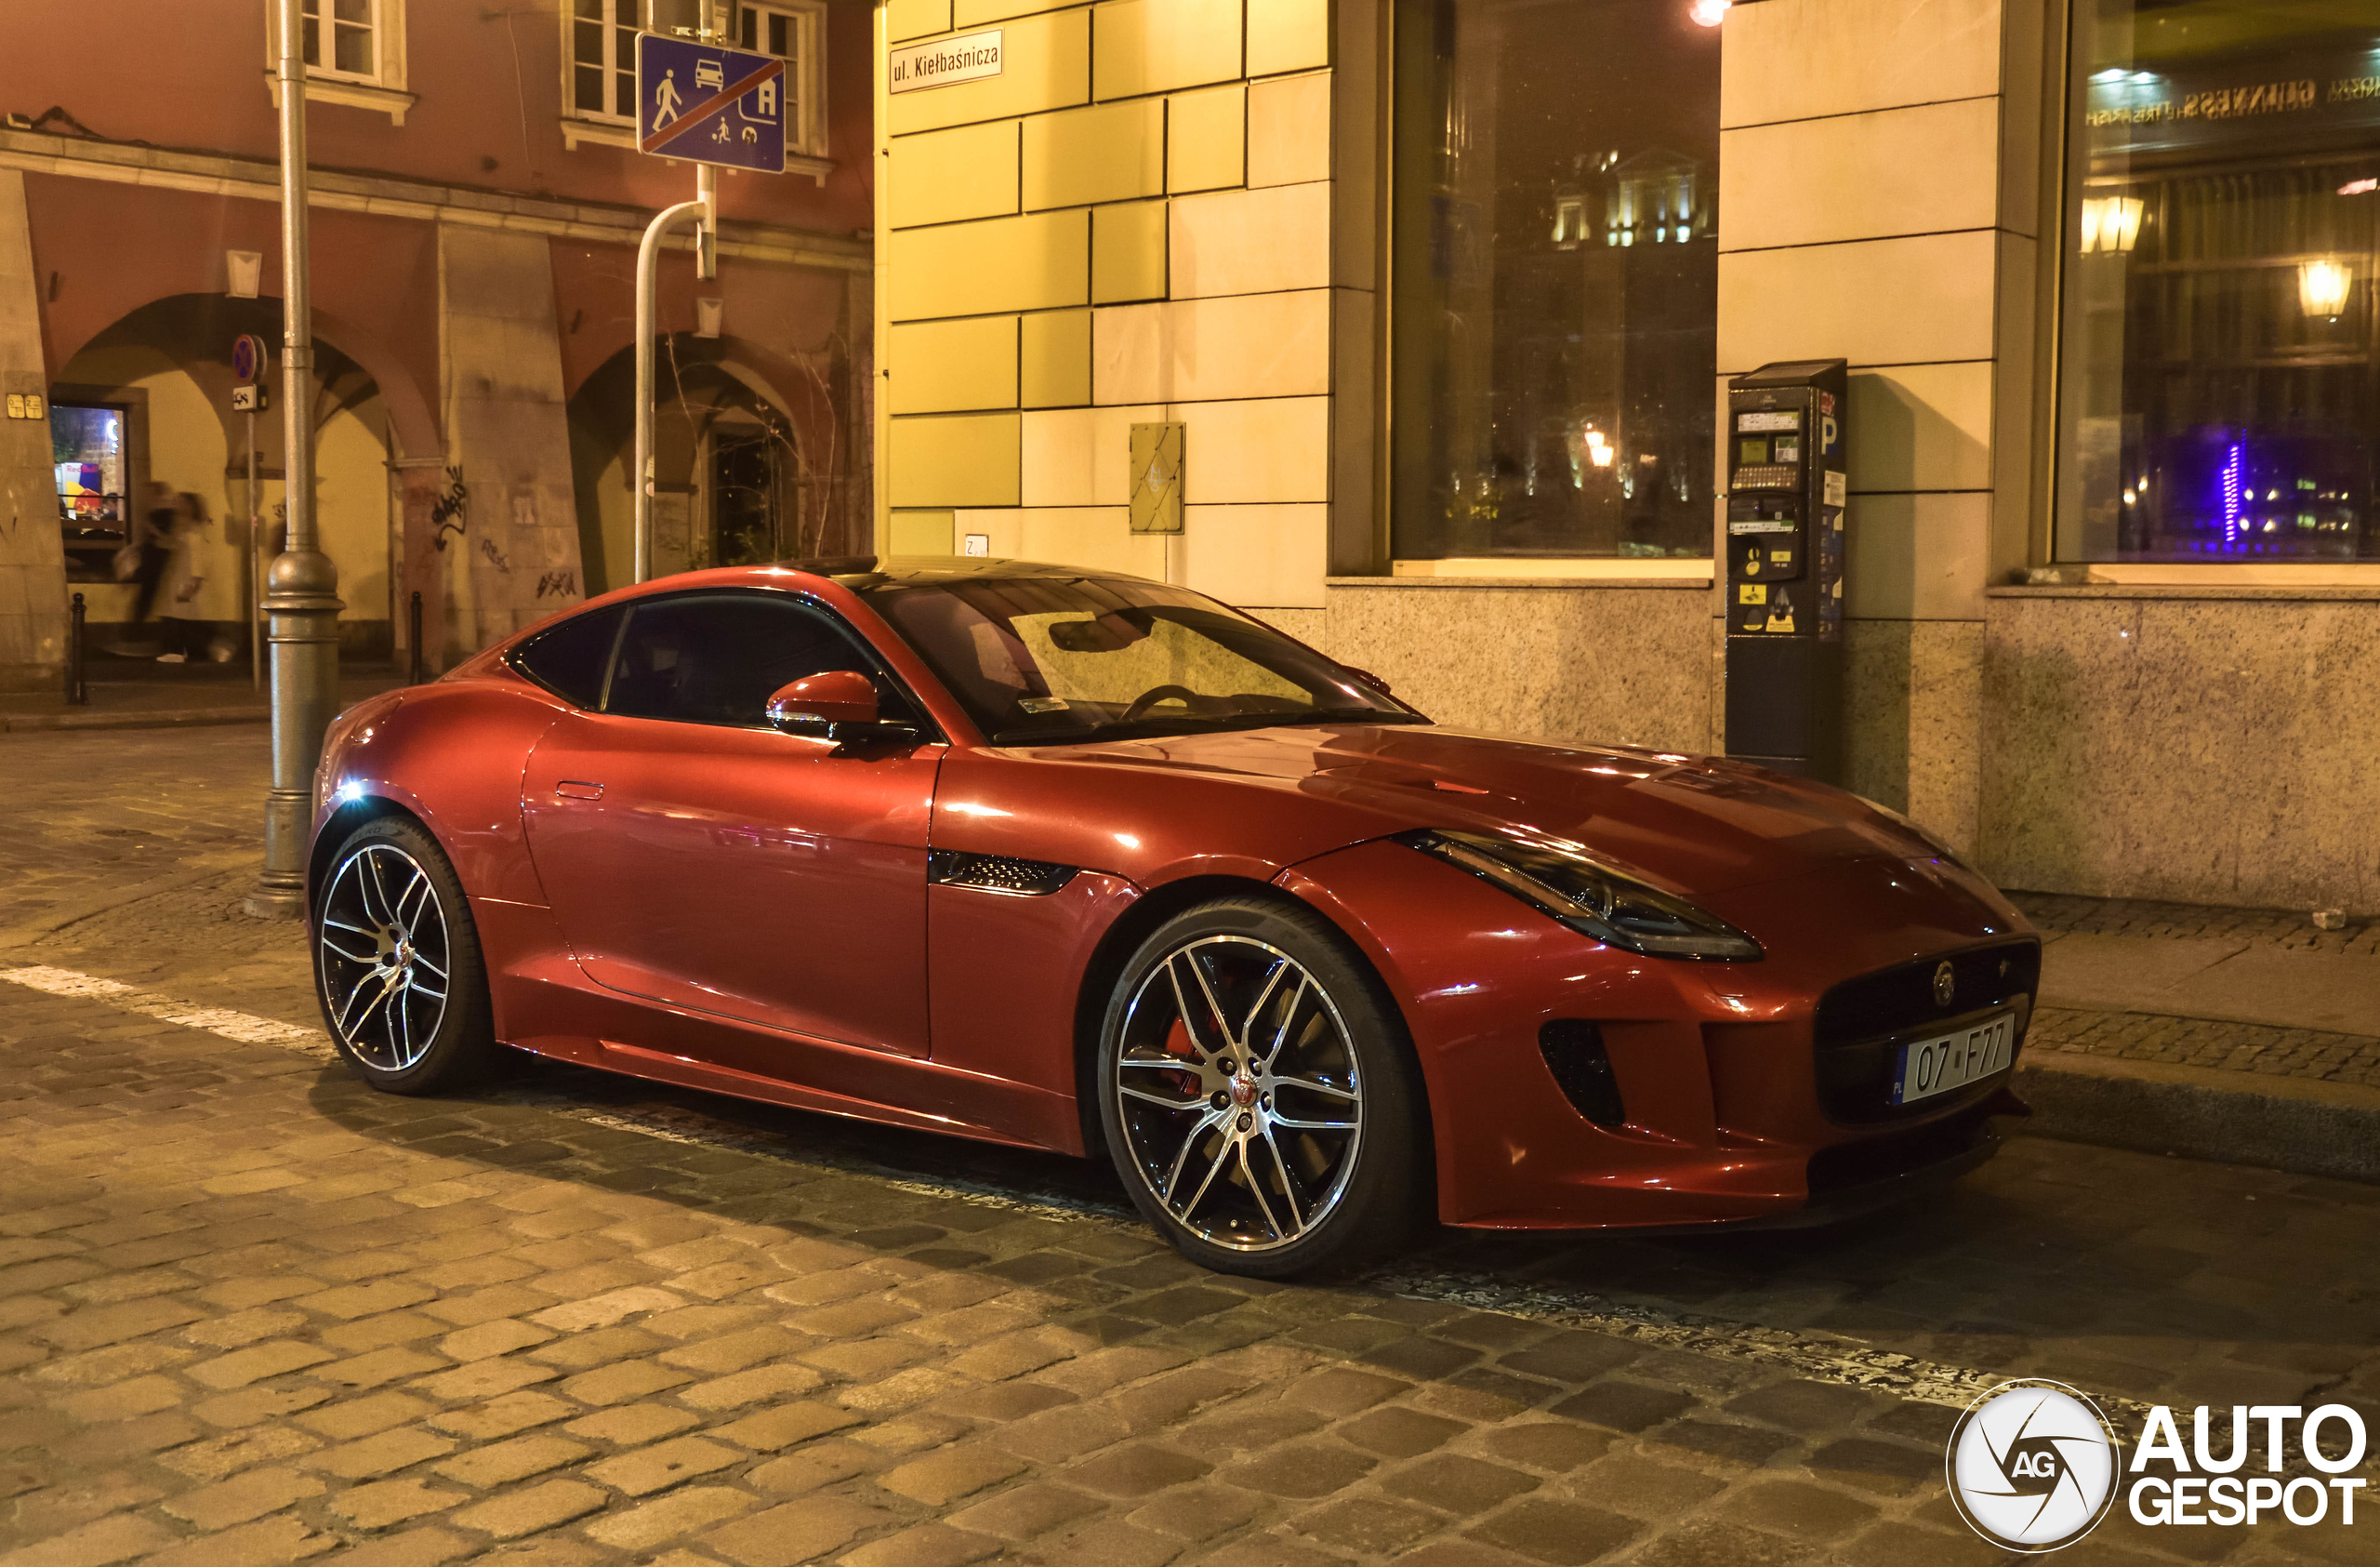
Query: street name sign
x=946 y=64
x=707 y=104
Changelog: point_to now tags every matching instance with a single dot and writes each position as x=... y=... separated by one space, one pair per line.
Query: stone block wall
x=1133 y=222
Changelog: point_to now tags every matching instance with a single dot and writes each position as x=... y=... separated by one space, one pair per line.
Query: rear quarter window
x=571 y=659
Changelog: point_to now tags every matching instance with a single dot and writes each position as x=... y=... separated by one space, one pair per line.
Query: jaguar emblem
x=1946 y=984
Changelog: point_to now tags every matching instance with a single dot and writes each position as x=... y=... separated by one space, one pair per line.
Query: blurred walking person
x=185 y=636
x=143 y=560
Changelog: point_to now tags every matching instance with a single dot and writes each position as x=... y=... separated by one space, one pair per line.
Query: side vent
x=1573 y=1054
x=997 y=873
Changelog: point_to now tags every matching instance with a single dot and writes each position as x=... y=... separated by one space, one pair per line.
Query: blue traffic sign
x=708 y=104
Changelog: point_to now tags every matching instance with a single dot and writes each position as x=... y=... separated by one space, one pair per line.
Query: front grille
x=997 y=873
x=1575 y=1054
x=1861 y=1024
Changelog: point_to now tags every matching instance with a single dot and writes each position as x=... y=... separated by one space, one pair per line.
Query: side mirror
x=839 y=705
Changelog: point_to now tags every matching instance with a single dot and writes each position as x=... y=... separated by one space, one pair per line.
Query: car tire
x=1258 y=1092
x=397 y=964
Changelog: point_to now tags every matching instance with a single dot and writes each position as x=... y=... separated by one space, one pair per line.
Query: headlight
x=1589 y=897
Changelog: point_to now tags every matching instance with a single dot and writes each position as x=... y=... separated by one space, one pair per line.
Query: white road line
x=1812 y=1359
x=244 y=1027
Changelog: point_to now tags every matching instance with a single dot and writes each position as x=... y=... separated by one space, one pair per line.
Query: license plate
x=1938 y=1065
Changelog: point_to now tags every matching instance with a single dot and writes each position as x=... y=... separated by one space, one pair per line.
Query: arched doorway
x=739 y=476
x=160 y=380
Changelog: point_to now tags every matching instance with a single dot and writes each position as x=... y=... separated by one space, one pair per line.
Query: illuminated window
x=2219 y=370
x=1555 y=266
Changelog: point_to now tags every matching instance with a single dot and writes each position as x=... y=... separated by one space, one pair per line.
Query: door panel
x=740 y=872
x=696 y=856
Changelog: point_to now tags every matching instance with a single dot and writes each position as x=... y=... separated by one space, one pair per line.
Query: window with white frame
x=601 y=57
x=795 y=30
x=355 y=50
x=345 y=40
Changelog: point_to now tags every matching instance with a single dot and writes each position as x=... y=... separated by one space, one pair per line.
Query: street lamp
x=2112 y=224
x=2322 y=288
x=301 y=590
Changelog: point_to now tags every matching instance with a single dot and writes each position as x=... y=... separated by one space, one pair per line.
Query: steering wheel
x=1151 y=697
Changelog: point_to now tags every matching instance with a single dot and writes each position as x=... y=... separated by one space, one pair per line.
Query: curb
x=2304 y=1126
x=163 y=718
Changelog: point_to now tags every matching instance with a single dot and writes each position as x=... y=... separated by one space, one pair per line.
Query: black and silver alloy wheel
x=1238 y=1092
x=1255 y=1094
x=397 y=962
x=387 y=961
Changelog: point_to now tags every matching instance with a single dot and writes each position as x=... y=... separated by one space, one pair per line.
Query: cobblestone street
x=251 y=1311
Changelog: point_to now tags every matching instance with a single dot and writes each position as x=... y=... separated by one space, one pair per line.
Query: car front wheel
x=1256 y=1095
x=397 y=962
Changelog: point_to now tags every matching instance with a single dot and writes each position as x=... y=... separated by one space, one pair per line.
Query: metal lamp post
x=301 y=590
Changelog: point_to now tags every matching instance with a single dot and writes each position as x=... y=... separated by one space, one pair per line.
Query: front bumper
x=1728 y=1116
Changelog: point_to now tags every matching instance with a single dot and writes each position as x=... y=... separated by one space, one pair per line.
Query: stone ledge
x=1693 y=584
x=2304 y=1126
x=2271 y=593
x=335 y=190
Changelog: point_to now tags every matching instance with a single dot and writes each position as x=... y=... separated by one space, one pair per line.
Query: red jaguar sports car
x=1068 y=860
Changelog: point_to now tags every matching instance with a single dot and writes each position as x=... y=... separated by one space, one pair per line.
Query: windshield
x=1040 y=660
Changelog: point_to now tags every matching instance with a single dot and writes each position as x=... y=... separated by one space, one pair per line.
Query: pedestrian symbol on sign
x=711 y=104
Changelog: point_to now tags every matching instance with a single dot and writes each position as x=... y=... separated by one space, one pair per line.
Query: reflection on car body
x=1073 y=860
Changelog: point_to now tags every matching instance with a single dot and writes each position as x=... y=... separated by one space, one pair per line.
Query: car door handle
x=571 y=789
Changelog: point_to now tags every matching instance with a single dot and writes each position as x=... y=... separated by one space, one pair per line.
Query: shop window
x=94 y=486
x=2219 y=367
x=1555 y=279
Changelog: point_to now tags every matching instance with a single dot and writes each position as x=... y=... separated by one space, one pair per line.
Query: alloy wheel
x=1239 y=1093
x=386 y=956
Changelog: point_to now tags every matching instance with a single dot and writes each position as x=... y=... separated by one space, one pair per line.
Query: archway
x=161 y=376
x=746 y=469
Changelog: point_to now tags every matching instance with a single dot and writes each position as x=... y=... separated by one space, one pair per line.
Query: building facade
x=1415 y=317
x=477 y=199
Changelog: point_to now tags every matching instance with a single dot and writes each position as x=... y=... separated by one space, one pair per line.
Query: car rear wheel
x=397 y=962
x=1256 y=1090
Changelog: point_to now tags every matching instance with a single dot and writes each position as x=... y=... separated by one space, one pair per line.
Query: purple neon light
x=2232 y=462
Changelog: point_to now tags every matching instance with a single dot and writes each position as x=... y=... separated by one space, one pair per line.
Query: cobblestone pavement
x=251 y=1311
x=2057 y=914
x=2199 y=1042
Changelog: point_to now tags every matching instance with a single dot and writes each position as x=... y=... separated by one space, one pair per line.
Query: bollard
x=77 y=693
x=417 y=672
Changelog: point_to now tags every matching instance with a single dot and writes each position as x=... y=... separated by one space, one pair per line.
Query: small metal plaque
x=1157 y=478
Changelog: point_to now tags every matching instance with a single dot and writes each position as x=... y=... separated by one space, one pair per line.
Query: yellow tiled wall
x=1132 y=223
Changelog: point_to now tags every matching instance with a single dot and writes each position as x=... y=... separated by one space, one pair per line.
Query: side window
x=570 y=658
x=718 y=657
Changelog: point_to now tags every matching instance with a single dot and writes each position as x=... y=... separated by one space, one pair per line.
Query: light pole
x=705 y=209
x=301 y=590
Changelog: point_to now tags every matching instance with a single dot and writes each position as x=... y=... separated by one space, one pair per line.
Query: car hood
x=1698 y=824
